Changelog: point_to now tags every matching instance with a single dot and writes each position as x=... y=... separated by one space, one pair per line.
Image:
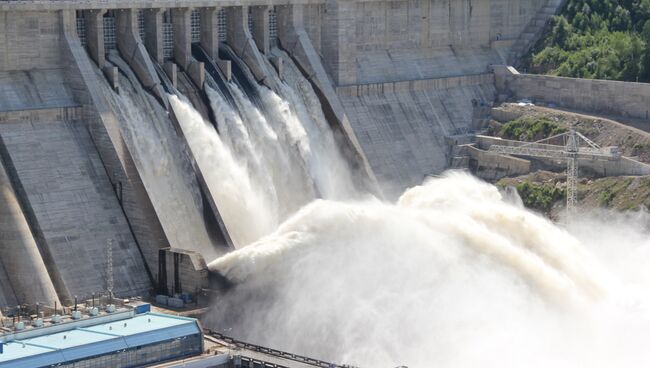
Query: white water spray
x=166 y=173
x=449 y=276
x=284 y=156
x=243 y=206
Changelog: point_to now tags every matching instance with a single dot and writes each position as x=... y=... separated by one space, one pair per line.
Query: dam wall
x=626 y=99
x=395 y=78
x=410 y=73
x=381 y=41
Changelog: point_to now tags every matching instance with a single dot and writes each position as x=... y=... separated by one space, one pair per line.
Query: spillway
x=162 y=161
x=272 y=154
x=194 y=124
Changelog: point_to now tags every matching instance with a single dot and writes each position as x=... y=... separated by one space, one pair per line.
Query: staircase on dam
x=534 y=30
x=72 y=206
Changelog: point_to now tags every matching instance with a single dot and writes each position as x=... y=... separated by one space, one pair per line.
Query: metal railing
x=274 y=352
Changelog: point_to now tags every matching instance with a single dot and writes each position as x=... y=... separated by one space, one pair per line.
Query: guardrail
x=274 y=352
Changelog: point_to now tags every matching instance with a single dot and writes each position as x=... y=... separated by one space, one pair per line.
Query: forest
x=598 y=39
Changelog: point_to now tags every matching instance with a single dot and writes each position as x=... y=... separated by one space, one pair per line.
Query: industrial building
x=122 y=339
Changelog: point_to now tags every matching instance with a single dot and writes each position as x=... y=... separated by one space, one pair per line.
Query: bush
x=530 y=129
x=539 y=196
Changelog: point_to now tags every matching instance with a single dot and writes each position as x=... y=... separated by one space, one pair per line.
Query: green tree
x=605 y=39
x=645 y=63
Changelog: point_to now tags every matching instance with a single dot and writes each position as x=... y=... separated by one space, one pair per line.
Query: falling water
x=166 y=173
x=451 y=275
x=243 y=205
x=267 y=161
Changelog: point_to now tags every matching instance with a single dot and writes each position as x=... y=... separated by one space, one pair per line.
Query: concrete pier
x=95 y=35
x=260 y=28
x=134 y=52
x=210 y=39
x=153 y=29
x=104 y=128
x=239 y=38
x=182 y=36
x=210 y=31
x=339 y=40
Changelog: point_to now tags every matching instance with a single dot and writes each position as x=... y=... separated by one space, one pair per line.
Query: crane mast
x=571 y=151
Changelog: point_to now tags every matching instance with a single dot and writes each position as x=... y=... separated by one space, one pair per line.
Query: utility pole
x=109 y=269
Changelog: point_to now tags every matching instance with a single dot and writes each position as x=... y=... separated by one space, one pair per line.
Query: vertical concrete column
x=239 y=38
x=210 y=31
x=181 y=19
x=153 y=33
x=210 y=39
x=19 y=252
x=289 y=23
x=237 y=35
x=126 y=28
x=95 y=35
x=339 y=48
x=134 y=52
x=260 y=29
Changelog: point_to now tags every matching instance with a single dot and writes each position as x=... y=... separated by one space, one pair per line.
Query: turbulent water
x=451 y=275
x=267 y=161
x=242 y=205
x=162 y=164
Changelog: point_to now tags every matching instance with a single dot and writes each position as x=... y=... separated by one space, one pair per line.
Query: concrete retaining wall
x=607 y=97
x=624 y=166
x=493 y=166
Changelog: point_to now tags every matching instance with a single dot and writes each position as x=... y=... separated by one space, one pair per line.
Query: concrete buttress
x=239 y=38
x=260 y=29
x=95 y=35
x=210 y=39
x=182 y=25
x=134 y=52
x=294 y=38
x=19 y=252
x=153 y=30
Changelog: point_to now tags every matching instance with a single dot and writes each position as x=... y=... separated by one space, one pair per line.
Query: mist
x=450 y=275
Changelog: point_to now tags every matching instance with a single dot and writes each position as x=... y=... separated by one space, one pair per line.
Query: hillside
x=544 y=192
x=599 y=39
x=532 y=123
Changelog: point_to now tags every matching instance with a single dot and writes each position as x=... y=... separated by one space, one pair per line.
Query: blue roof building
x=135 y=341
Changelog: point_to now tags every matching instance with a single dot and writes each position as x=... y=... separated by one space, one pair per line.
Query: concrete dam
x=280 y=159
x=93 y=151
